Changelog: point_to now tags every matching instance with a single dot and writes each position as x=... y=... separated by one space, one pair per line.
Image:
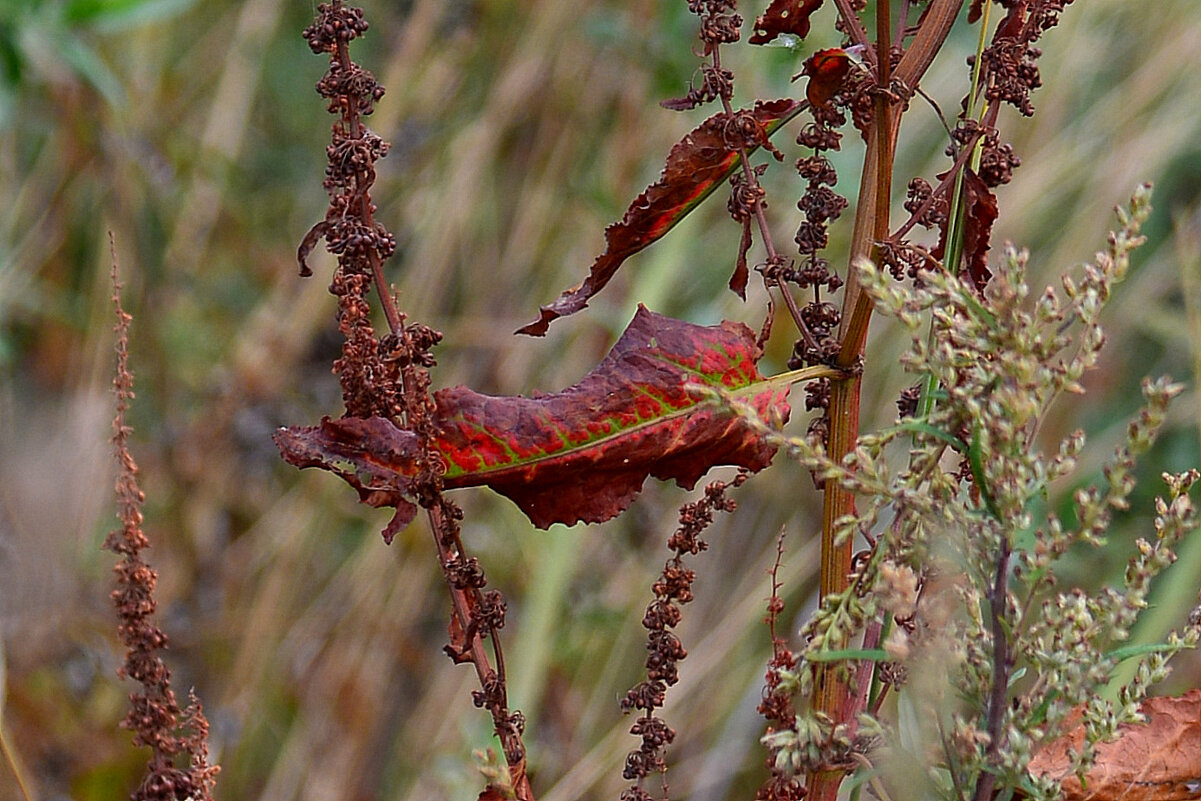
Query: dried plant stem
x=154 y=716
x=366 y=210
x=851 y=20
x=11 y=759
x=477 y=653
x=389 y=376
x=943 y=187
x=998 y=598
x=773 y=256
x=833 y=698
x=856 y=310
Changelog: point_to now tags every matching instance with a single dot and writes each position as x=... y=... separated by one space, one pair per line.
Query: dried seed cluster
x=672 y=590
x=389 y=376
x=154 y=715
x=719 y=25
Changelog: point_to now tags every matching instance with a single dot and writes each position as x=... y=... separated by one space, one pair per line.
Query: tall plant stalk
x=835 y=699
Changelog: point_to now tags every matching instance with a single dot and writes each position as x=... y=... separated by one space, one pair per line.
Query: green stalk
x=954 y=250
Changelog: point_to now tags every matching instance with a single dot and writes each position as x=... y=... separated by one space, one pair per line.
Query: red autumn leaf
x=577 y=455
x=1156 y=761
x=1010 y=27
x=696 y=165
x=827 y=70
x=784 y=16
x=980 y=212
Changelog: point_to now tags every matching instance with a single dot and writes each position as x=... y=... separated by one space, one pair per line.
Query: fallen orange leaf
x=1156 y=761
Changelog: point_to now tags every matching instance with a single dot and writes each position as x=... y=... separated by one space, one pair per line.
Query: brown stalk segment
x=154 y=716
x=871 y=226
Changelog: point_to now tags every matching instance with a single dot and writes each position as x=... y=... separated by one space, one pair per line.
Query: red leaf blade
x=784 y=16
x=581 y=454
x=979 y=213
x=827 y=70
x=981 y=206
x=696 y=165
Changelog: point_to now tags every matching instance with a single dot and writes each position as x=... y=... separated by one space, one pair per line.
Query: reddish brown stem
x=833 y=697
x=850 y=19
x=998 y=599
x=511 y=743
x=769 y=244
x=944 y=186
x=863 y=672
x=367 y=212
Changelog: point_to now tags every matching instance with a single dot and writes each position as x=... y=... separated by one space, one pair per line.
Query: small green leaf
x=1131 y=651
x=975 y=460
x=846 y=654
x=922 y=427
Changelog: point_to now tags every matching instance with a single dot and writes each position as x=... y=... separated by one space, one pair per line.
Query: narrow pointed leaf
x=581 y=454
x=696 y=165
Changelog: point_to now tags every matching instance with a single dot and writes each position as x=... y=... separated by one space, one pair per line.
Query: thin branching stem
x=769 y=244
x=998 y=601
x=850 y=19
x=477 y=653
x=366 y=211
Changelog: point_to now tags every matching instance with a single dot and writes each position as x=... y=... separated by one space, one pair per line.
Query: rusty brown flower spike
x=386 y=380
x=154 y=715
x=672 y=590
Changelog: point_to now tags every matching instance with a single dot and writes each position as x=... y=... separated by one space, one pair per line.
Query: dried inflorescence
x=719 y=25
x=821 y=206
x=368 y=372
x=389 y=376
x=672 y=589
x=962 y=207
x=154 y=715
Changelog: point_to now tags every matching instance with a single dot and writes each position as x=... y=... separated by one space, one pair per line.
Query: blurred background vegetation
x=519 y=129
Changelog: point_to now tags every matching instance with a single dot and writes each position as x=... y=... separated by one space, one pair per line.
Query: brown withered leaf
x=1156 y=761
x=981 y=206
x=309 y=242
x=577 y=455
x=980 y=212
x=372 y=455
x=784 y=16
x=459 y=647
x=741 y=272
x=696 y=165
